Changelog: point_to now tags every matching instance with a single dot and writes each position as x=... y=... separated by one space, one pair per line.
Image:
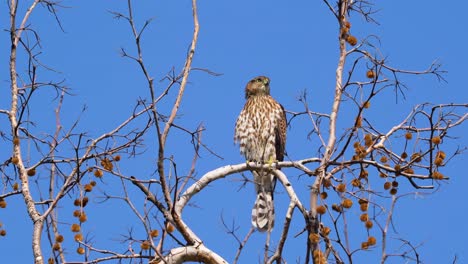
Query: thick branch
x=343 y=7
x=192 y=253
x=31 y=208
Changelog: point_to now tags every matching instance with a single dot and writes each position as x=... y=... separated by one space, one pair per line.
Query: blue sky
x=292 y=43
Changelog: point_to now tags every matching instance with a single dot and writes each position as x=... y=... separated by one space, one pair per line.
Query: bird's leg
x=271 y=160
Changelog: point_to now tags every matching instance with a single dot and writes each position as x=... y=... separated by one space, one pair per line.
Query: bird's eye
x=258 y=80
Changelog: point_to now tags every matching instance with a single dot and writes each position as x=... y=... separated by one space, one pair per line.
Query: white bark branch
x=192 y=253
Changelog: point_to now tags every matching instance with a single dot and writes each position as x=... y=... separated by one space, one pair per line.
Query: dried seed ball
x=415 y=157
x=393 y=191
x=145 y=245
x=92 y=183
x=395 y=184
x=15 y=186
x=107 y=164
x=75 y=228
x=80 y=250
x=382 y=175
x=370 y=74
x=356 y=182
x=326 y=230
x=369 y=224
x=98 y=173
x=323 y=195
x=76 y=213
x=347 y=24
x=352 y=40
x=3 y=203
x=84 y=201
x=356 y=144
x=344 y=30
x=336 y=208
x=16 y=141
x=363 y=174
x=371 y=241
x=367 y=137
x=117 y=158
x=83 y=217
x=359 y=149
x=326 y=183
x=368 y=143
x=437 y=175
x=364 y=245
x=31 y=172
x=78 y=237
x=364 y=217
x=362 y=201
x=154 y=233
x=387 y=185
x=320 y=259
x=341 y=187
x=88 y=187
x=383 y=159
x=397 y=167
x=59 y=238
x=364 y=206
x=404 y=155
x=77 y=202
x=408 y=135
x=314 y=237
x=3 y=232
x=366 y=104
x=440 y=154
x=436 y=140
x=360 y=152
x=321 y=209
x=169 y=227
x=50 y=261
x=56 y=247
x=438 y=162
x=15 y=160
x=363 y=155
x=347 y=203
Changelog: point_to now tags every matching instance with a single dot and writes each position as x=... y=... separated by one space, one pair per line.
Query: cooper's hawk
x=261 y=133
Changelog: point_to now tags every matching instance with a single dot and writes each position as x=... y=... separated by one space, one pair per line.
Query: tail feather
x=263 y=212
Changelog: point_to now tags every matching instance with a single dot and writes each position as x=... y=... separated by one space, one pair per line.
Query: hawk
x=261 y=133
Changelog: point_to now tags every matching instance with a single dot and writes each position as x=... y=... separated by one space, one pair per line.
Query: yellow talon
x=271 y=160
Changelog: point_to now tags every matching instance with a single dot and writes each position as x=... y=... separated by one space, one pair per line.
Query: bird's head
x=258 y=86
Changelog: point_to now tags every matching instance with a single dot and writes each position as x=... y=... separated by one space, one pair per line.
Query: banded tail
x=263 y=212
